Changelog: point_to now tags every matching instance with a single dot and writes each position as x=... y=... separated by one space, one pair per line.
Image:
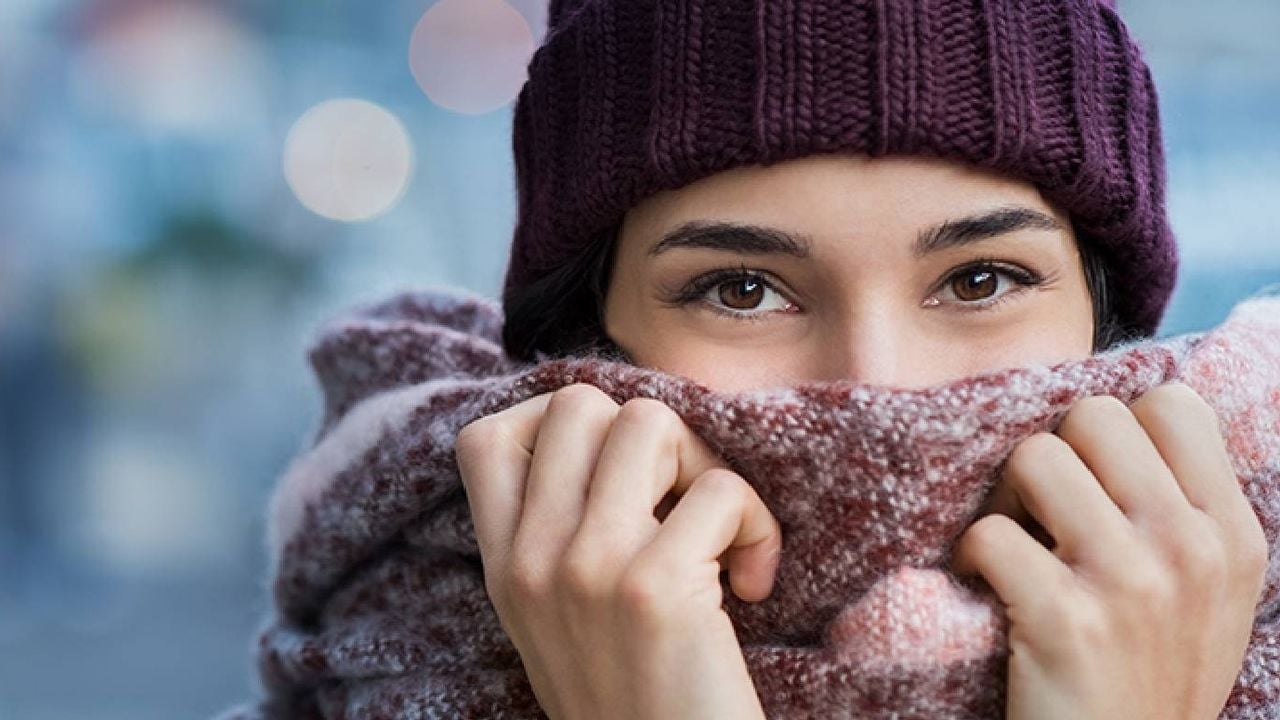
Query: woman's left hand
x=1143 y=607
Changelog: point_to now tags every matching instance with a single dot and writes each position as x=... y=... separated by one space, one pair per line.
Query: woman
x=899 y=193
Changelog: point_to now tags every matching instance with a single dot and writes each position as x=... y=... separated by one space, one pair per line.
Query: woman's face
x=892 y=271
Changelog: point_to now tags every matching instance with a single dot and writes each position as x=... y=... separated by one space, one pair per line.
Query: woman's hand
x=1143 y=608
x=615 y=612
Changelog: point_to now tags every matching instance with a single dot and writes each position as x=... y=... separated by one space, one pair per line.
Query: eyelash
x=1023 y=278
x=696 y=290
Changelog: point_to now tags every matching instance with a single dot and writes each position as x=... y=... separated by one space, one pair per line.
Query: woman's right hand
x=614 y=603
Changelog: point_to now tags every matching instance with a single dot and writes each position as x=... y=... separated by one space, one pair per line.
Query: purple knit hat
x=629 y=97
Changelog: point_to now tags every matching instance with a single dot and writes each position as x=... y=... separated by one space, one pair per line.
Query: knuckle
x=525 y=579
x=724 y=484
x=476 y=436
x=577 y=395
x=579 y=576
x=1178 y=392
x=1147 y=585
x=1200 y=558
x=1101 y=404
x=1092 y=410
x=641 y=592
x=581 y=400
x=987 y=534
x=650 y=414
x=1179 y=399
x=988 y=529
x=1038 y=449
x=1083 y=628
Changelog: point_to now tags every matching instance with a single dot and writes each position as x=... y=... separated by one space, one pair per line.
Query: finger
x=569 y=439
x=1105 y=434
x=1044 y=478
x=493 y=455
x=1004 y=500
x=1020 y=570
x=721 y=513
x=1187 y=434
x=519 y=423
x=648 y=453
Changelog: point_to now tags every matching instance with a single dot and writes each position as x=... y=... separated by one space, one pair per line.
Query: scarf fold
x=380 y=608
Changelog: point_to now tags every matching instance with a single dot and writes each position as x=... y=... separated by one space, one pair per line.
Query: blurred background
x=168 y=244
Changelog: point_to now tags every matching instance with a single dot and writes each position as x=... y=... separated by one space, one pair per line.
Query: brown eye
x=739 y=294
x=975 y=285
x=742 y=294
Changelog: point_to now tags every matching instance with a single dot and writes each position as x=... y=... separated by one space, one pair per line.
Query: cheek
x=1048 y=350
x=727 y=369
x=1049 y=339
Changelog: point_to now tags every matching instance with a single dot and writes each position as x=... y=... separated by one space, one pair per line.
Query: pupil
x=742 y=294
x=977 y=286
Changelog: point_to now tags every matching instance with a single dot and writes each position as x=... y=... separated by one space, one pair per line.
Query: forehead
x=830 y=196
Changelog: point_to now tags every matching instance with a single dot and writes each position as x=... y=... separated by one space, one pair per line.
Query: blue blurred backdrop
x=188 y=188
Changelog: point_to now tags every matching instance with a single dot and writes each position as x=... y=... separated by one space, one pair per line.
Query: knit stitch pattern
x=629 y=97
x=380 y=607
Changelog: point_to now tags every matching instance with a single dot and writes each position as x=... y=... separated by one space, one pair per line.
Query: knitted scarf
x=380 y=608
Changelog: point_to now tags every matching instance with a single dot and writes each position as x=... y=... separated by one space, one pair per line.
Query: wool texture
x=380 y=609
x=626 y=98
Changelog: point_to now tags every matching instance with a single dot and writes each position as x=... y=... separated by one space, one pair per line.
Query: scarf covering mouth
x=380 y=609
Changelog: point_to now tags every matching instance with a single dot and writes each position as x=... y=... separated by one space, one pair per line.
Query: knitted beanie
x=629 y=97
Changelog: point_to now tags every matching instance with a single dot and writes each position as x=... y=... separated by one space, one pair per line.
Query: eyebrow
x=734 y=237
x=749 y=239
x=984 y=226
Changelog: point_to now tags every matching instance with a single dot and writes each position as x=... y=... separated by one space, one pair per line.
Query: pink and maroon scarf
x=380 y=609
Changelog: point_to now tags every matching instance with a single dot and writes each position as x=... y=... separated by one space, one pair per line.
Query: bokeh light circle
x=470 y=56
x=348 y=159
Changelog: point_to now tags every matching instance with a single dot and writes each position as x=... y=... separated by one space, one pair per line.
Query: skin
x=603 y=528
x=860 y=306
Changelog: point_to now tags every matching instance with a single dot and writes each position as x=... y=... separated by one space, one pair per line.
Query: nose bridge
x=873 y=345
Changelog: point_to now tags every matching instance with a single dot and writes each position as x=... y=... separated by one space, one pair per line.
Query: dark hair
x=562 y=313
